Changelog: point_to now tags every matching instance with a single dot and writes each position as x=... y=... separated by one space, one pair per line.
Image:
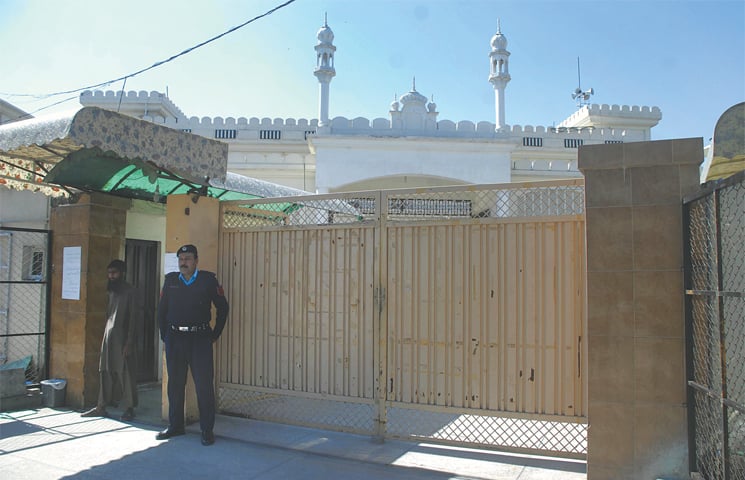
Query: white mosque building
x=410 y=148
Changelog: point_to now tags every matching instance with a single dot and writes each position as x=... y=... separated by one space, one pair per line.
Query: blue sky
x=685 y=57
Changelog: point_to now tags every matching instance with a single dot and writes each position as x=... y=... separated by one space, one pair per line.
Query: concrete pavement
x=56 y=443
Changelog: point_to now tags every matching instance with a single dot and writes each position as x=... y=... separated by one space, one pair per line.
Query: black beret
x=188 y=249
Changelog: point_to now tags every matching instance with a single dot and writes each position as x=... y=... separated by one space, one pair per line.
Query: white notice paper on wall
x=170 y=263
x=71 y=272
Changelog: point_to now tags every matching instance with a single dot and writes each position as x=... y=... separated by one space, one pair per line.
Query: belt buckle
x=183 y=329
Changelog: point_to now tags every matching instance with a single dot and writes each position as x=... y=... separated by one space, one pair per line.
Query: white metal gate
x=452 y=314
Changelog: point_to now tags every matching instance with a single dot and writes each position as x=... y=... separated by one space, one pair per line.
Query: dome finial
x=413 y=84
x=499 y=25
x=325 y=19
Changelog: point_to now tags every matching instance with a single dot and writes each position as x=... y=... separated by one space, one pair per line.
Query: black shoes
x=169 y=432
x=208 y=438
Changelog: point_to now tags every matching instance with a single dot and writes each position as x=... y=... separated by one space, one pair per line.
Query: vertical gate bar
x=6 y=334
x=687 y=285
x=722 y=339
x=48 y=309
x=380 y=273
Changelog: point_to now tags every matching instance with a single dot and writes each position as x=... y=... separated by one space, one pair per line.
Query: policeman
x=184 y=314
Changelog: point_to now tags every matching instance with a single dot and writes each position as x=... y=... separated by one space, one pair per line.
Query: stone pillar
x=196 y=223
x=96 y=223
x=635 y=306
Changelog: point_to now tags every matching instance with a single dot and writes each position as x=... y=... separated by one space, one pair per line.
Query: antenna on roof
x=581 y=96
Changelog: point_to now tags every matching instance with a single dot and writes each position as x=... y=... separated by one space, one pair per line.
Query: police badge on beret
x=188 y=249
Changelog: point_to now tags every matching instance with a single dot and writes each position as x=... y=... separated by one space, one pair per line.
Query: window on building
x=270 y=134
x=33 y=263
x=225 y=133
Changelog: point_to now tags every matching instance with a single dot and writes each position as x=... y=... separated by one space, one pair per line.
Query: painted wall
x=23 y=209
x=343 y=161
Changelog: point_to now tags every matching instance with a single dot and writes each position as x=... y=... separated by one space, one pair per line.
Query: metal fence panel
x=715 y=290
x=24 y=275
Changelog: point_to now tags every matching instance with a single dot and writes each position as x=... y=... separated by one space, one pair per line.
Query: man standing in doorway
x=184 y=314
x=116 y=366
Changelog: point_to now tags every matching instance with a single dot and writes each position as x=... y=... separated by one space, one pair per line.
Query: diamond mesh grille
x=474 y=201
x=732 y=225
x=734 y=335
x=502 y=432
x=486 y=202
x=702 y=237
x=303 y=410
x=736 y=430
x=710 y=458
x=706 y=355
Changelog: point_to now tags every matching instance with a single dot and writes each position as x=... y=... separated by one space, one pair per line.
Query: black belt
x=191 y=328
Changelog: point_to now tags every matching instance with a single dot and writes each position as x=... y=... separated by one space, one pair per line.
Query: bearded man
x=116 y=366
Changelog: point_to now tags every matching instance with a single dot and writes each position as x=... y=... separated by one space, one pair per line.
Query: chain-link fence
x=24 y=276
x=715 y=294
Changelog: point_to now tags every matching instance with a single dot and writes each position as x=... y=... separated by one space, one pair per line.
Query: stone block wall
x=96 y=223
x=636 y=359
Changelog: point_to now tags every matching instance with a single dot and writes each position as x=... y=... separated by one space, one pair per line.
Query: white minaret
x=499 y=75
x=324 y=71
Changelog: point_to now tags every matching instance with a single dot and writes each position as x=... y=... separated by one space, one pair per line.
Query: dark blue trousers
x=193 y=351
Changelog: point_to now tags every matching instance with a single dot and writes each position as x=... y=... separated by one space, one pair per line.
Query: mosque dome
x=325 y=35
x=499 y=41
x=413 y=97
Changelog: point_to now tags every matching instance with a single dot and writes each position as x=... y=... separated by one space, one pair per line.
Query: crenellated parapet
x=246 y=123
x=153 y=106
x=618 y=116
x=591 y=124
x=242 y=128
x=230 y=128
x=486 y=130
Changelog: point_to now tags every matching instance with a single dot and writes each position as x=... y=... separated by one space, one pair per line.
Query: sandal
x=95 y=412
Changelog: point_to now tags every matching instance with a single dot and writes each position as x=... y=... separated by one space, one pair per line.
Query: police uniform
x=184 y=313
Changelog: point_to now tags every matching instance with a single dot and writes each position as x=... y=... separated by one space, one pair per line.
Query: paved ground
x=56 y=443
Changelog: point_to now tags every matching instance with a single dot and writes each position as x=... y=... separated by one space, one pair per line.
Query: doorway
x=143 y=266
